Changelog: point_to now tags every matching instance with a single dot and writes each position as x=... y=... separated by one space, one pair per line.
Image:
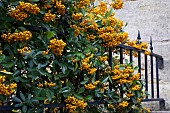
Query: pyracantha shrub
x=56 y=51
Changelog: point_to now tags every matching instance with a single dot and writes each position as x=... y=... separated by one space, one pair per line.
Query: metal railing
x=151 y=63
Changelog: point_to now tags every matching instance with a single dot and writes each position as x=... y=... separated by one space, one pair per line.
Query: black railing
x=155 y=63
x=151 y=63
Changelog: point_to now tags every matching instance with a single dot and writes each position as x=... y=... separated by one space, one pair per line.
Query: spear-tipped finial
x=138 y=37
x=151 y=47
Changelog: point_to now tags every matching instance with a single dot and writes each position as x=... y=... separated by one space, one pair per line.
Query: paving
x=160 y=111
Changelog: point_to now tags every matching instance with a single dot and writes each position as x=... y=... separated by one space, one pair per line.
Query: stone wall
x=152 y=18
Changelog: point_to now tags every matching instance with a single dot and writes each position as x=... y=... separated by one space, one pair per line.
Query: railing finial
x=138 y=37
x=151 y=47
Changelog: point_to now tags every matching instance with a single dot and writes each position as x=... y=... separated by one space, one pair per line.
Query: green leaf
x=23 y=79
x=7 y=47
x=16 y=79
x=131 y=63
x=78 y=96
x=105 y=80
x=86 y=78
x=1 y=4
x=40 y=110
x=22 y=96
x=136 y=68
x=50 y=34
x=22 y=28
x=110 y=79
x=64 y=68
x=126 y=24
x=46 y=26
x=15 y=3
x=83 y=82
x=87 y=49
x=39 y=98
x=24 y=109
x=138 y=94
x=121 y=67
x=16 y=73
x=88 y=97
x=66 y=94
x=2 y=57
x=48 y=94
x=29 y=96
x=17 y=105
x=66 y=89
x=52 y=93
x=93 y=79
x=42 y=11
x=55 y=87
x=76 y=66
x=83 y=11
x=126 y=61
x=70 y=66
x=35 y=101
x=139 y=83
x=7 y=64
x=15 y=111
x=40 y=72
x=79 y=54
x=70 y=84
x=39 y=92
x=5 y=73
x=16 y=99
x=81 y=90
x=133 y=100
x=42 y=65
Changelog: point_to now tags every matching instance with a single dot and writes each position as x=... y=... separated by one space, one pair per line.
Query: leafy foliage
x=57 y=51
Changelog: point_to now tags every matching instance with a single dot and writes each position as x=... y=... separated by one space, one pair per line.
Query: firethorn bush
x=56 y=51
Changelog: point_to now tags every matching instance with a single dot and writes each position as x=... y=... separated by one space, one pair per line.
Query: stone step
x=160 y=111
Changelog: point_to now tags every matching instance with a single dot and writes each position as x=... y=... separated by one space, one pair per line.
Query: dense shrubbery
x=51 y=51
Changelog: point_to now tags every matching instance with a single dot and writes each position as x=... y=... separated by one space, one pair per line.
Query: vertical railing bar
x=62 y=98
x=131 y=59
x=77 y=82
x=157 y=77
x=139 y=53
x=121 y=55
x=80 y=78
x=110 y=64
x=146 y=74
x=18 y=88
x=131 y=55
x=121 y=62
x=110 y=57
x=152 y=78
x=97 y=73
x=97 y=78
x=139 y=62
